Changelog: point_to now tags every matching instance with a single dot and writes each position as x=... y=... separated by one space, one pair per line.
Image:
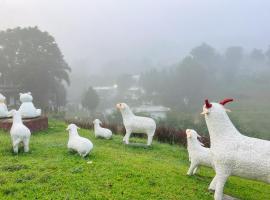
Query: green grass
x=117 y=171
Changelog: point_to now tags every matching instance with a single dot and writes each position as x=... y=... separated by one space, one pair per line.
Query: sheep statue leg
x=222 y=175
x=150 y=137
x=26 y=145
x=149 y=140
x=16 y=143
x=212 y=186
x=127 y=136
x=195 y=170
x=191 y=169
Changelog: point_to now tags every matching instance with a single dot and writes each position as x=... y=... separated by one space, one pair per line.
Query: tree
x=233 y=58
x=124 y=82
x=32 y=60
x=90 y=99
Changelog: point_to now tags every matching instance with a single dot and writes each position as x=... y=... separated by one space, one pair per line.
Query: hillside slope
x=117 y=171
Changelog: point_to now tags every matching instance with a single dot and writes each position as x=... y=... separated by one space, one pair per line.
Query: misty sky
x=101 y=31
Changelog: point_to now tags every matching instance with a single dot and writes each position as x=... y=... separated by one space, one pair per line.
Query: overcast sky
x=100 y=31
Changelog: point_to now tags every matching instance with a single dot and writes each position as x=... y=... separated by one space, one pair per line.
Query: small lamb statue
x=198 y=154
x=233 y=153
x=19 y=132
x=4 y=113
x=77 y=143
x=101 y=132
x=136 y=124
x=27 y=107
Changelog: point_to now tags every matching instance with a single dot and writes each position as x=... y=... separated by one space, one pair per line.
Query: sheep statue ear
x=20 y=93
x=29 y=93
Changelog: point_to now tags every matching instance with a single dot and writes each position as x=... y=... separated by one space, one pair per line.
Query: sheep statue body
x=81 y=145
x=232 y=152
x=19 y=132
x=136 y=124
x=101 y=132
x=198 y=154
x=27 y=108
x=4 y=113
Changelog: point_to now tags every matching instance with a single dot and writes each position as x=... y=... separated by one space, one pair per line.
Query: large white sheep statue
x=136 y=124
x=81 y=145
x=3 y=107
x=27 y=108
x=198 y=154
x=19 y=132
x=232 y=152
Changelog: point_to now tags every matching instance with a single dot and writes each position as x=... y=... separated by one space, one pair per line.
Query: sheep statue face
x=3 y=107
x=215 y=108
x=122 y=106
x=191 y=134
x=97 y=121
x=27 y=108
x=72 y=127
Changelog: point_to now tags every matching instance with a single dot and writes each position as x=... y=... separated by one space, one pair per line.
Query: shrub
x=163 y=133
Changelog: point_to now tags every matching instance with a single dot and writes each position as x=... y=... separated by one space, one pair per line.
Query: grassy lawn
x=117 y=171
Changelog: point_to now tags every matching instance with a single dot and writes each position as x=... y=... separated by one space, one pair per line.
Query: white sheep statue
x=27 y=108
x=77 y=143
x=19 y=132
x=136 y=124
x=101 y=132
x=232 y=152
x=4 y=113
x=198 y=154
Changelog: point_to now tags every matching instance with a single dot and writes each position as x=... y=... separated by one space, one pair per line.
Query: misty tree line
x=32 y=60
x=207 y=73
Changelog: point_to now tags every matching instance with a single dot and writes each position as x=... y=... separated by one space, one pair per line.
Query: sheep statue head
x=121 y=106
x=97 y=121
x=192 y=134
x=217 y=119
x=72 y=127
x=16 y=115
x=212 y=108
x=124 y=109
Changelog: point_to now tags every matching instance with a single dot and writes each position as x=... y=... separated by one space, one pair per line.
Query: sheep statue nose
x=118 y=106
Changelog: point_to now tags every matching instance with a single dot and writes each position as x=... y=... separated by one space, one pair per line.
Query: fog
x=161 y=57
x=99 y=32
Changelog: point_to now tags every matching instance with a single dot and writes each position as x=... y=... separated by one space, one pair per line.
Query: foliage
x=115 y=171
x=32 y=60
x=207 y=73
x=90 y=99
